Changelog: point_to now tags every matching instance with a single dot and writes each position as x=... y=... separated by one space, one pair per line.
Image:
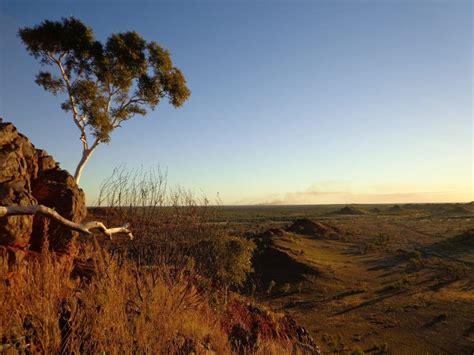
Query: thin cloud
x=334 y=192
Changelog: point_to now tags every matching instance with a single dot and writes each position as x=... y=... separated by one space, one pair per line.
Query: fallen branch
x=86 y=228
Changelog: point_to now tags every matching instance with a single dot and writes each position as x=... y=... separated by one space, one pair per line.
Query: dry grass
x=122 y=308
x=100 y=303
x=165 y=292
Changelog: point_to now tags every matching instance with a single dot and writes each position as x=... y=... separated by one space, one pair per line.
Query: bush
x=226 y=260
x=172 y=227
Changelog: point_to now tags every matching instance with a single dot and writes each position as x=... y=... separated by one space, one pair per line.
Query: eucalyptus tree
x=104 y=84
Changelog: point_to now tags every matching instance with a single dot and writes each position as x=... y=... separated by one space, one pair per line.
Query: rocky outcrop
x=250 y=327
x=18 y=167
x=30 y=176
x=56 y=188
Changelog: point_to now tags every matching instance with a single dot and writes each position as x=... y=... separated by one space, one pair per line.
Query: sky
x=293 y=102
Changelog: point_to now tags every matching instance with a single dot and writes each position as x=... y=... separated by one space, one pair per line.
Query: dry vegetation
x=172 y=290
x=395 y=280
x=109 y=304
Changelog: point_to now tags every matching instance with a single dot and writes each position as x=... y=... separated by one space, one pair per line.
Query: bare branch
x=85 y=228
x=76 y=117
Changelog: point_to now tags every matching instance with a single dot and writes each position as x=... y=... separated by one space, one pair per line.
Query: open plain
x=378 y=278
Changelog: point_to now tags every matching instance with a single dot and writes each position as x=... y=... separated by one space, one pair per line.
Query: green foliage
x=106 y=83
x=234 y=260
x=224 y=259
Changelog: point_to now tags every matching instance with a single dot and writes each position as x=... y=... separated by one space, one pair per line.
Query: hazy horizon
x=292 y=103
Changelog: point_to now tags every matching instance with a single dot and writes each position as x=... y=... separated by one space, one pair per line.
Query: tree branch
x=85 y=228
x=134 y=99
x=94 y=145
x=76 y=117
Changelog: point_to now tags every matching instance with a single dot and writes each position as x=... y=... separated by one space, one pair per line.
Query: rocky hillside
x=31 y=176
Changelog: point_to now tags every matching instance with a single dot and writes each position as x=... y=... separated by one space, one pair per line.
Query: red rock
x=57 y=189
x=29 y=176
x=17 y=165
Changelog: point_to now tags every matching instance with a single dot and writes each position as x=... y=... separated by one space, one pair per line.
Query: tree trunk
x=86 y=154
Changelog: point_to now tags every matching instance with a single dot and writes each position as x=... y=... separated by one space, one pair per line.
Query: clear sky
x=292 y=101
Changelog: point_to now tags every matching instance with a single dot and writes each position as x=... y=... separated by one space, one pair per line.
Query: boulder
x=30 y=176
x=57 y=189
x=18 y=166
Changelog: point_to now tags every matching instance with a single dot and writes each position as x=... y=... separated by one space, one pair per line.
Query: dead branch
x=86 y=228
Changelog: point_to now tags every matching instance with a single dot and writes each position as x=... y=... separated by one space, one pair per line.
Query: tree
x=104 y=84
x=225 y=259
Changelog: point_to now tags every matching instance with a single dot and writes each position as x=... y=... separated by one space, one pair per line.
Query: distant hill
x=350 y=210
x=318 y=230
x=460 y=244
x=395 y=208
x=274 y=264
x=458 y=211
x=464 y=240
x=469 y=205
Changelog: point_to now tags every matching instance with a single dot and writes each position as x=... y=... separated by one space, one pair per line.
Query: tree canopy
x=105 y=83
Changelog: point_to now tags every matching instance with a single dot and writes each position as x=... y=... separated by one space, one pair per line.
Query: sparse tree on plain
x=105 y=84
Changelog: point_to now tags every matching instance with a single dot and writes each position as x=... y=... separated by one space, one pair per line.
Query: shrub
x=226 y=260
x=172 y=227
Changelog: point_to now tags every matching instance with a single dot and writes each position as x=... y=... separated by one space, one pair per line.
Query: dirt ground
x=396 y=280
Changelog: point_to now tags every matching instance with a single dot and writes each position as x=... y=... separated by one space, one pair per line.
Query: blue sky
x=292 y=101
